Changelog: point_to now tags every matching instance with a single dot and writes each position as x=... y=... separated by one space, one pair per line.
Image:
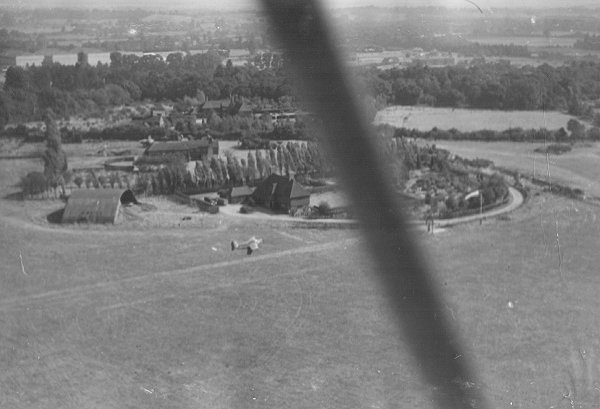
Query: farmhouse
x=96 y=206
x=192 y=150
x=281 y=193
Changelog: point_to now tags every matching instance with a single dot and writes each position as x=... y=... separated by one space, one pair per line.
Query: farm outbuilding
x=96 y=206
x=239 y=193
x=281 y=193
x=191 y=150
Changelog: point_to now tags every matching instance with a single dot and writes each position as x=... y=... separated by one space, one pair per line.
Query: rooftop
x=183 y=146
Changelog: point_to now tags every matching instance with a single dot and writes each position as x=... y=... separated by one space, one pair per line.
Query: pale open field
x=128 y=317
x=532 y=41
x=425 y=118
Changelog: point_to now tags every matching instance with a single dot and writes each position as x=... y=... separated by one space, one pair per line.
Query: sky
x=236 y=4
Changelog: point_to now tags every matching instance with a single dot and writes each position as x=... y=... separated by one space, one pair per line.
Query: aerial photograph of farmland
x=300 y=204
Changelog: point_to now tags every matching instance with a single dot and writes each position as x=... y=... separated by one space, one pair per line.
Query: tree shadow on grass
x=56 y=216
x=16 y=196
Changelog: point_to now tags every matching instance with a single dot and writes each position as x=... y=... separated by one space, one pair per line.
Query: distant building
x=192 y=150
x=239 y=193
x=97 y=205
x=240 y=108
x=281 y=193
x=390 y=60
x=218 y=106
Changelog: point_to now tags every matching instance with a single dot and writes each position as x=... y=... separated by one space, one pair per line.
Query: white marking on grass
x=87 y=289
x=22 y=266
x=291 y=236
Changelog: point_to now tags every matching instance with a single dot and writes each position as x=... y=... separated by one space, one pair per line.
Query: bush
x=246 y=210
x=34 y=183
x=323 y=208
x=555 y=149
x=78 y=181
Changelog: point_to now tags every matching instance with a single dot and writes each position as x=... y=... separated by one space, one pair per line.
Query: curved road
x=515 y=202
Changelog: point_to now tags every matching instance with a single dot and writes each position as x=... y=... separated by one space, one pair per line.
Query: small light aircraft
x=250 y=245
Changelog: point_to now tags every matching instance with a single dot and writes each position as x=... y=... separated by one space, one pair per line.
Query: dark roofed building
x=241 y=108
x=239 y=193
x=281 y=193
x=96 y=206
x=218 y=106
x=192 y=150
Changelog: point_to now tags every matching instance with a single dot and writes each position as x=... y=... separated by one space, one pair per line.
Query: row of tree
x=575 y=131
x=302 y=159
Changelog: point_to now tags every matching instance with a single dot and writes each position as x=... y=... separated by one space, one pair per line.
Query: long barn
x=192 y=150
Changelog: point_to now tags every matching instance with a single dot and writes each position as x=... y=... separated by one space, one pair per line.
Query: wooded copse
x=445 y=178
x=574 y=87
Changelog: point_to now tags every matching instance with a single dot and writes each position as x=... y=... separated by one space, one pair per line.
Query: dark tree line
x=70 y=90
x=588 y=42
x=575 y=131
x=489 y=86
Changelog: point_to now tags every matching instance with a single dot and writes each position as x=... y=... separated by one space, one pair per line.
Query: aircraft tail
x=234 y=245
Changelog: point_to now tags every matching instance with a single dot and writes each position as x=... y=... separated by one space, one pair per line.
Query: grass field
x=532 y=41
x=425 y=118
x=127 y=317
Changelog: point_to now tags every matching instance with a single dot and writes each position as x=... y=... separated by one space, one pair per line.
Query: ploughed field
x=113 y=317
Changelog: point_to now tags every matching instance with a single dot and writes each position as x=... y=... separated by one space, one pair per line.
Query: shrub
x=324 y=208
x=34 y=183
x=555 y=149
x=78 y=181
x=246 y=210
x=102 y=180
x=451 y=203
x=113 y=179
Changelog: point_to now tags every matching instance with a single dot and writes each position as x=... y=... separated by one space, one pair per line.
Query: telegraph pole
x=480 y=208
